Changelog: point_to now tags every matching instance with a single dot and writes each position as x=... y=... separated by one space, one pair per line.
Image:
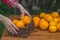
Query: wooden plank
x=35 y=35
x=17 y=16
x=14 y=17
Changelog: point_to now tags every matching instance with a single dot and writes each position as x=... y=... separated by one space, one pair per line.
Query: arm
x=16 y=4
x=9 y=24
x=11 y=3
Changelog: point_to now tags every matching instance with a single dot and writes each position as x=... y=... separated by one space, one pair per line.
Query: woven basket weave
x=23 y=32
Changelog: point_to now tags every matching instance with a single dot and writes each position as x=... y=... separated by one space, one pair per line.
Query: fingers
x=22 y=15
x=8 y=28
x=13 y=24
x=12 y=28
x=9 y=25
x=23 y=11
x=27 y=13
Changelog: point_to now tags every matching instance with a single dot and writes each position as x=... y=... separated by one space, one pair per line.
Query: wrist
x=20 y=6
x=2 y=17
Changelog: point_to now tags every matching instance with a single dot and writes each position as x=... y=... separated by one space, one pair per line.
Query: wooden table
x=35 y=35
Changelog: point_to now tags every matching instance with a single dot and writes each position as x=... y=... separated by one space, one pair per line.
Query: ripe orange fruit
x=59 y=19
x=48 y=17
x=42 y=15
x=56 y=20
x=26 y=20
x=58 y=26
x=20 y=24
x=55 y=14
x=52 y=23
x=36 y=21
x=15 y=21
x=43 y=24
x=52 y=29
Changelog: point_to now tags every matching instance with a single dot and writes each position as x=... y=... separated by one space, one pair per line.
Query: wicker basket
x=23 y=32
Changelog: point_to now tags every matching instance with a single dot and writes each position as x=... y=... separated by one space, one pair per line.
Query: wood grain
x=35 y=35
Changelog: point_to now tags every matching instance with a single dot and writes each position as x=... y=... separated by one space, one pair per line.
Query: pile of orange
x=22 y=22
x=44 y=21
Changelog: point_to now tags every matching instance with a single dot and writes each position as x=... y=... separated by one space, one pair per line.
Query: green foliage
x=1 y=29
x=5 y=9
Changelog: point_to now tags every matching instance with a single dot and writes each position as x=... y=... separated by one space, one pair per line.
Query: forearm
x=16 y=4
x=13 y=3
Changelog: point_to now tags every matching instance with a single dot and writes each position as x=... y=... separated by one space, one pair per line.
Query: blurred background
x=33 y=6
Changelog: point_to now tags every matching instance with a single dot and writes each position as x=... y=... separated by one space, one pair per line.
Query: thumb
x=22 y=16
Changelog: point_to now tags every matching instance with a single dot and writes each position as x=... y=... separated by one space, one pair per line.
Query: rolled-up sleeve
x=12 y=3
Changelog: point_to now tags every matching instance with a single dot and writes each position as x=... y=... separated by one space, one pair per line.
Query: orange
x=43 y=24
x=52 y=23
x=48 y=17
x=36 y=21
x=52 y=29
x=58 y=26
x=55 y=14
x=42 y=15
x=56 y=20
x=26 y=20
x=59 y=19
x=20 y=24
x=15 y=21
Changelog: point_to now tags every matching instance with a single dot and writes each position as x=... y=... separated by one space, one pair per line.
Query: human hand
x=9 y=24
x=23 y=11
